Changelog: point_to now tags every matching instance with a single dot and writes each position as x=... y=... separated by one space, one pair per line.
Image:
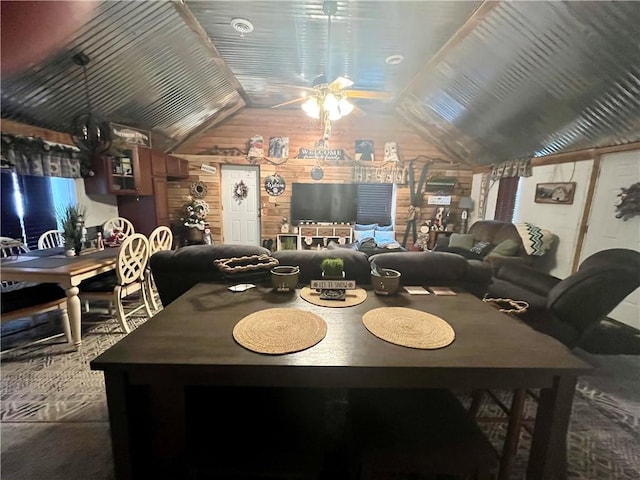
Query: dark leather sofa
x=176 y=271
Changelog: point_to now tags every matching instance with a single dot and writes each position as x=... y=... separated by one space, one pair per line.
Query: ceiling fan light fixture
x=345 y=106
x=311 y=107
x=330 y=103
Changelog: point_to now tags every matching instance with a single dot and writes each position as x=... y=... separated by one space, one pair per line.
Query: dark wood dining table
x=190 y=343
x=52 y=266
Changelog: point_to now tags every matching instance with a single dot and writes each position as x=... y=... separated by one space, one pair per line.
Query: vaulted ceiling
x=483 y=81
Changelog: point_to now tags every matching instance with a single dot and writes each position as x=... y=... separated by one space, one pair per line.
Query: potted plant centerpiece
x=73 y=229
x=332 y=268
x=332 y=284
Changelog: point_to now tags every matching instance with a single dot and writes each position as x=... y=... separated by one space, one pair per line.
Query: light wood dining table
x=52 y=266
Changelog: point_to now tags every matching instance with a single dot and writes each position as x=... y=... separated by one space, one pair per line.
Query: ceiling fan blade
x=368 y=94
x=299 y=87
x=290 y=102
x=340 y=83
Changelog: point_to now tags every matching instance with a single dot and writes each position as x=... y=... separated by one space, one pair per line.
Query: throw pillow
x=384 y=228
x=362 y=234
x=363 y=227
x=482 y=248
x=382 y=238
x=461 y=240
x=507 y=248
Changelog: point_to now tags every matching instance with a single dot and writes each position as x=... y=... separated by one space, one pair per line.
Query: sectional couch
x=176 y=271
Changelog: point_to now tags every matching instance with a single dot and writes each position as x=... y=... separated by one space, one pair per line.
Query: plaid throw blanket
x=536 y=241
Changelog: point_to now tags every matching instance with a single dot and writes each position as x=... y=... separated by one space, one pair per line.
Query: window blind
x=39 y=210
x=375 y=203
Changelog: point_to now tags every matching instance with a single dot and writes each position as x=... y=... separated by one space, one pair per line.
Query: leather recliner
x=567 y=309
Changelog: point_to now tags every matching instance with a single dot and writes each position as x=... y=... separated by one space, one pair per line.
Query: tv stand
x=315 y=236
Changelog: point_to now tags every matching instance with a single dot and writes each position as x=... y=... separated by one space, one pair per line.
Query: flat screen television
x=323 y=202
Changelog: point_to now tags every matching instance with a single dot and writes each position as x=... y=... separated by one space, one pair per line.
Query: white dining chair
x=51 y=239
x=120 y=223
x=128 y=278
x=160 y=239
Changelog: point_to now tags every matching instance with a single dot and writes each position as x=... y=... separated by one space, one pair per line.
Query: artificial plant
x=332 y=267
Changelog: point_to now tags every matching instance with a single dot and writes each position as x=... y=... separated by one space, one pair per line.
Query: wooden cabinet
x=177 y=168
x=315 y=237
x=158 y=163
x=148 y=212
x=125 y=174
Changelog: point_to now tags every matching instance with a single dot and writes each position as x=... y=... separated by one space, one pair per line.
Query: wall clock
x=274 y=185
x=317 y=173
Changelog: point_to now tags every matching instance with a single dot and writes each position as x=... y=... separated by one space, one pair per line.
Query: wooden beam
x=567 y=157
x=618 y=148
x=202 y=34
x=214 y=120
x=472 y=22
x=586 y=211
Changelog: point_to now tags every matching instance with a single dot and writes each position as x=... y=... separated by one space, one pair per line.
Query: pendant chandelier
x=89 y=132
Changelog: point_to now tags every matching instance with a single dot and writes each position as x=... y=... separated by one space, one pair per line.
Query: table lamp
x=465 y=204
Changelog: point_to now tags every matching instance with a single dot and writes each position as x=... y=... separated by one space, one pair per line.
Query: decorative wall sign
x=208 y=169
x=198 y=189
x=256 y=147
x=559 y=193
x=317 y=173
x=279 y=147
x=274 y=185
x=240 y=191
x=391 y=152
x=365 y=150
x=321 y=153
x=122 y=135
x=439 y=200
x=393 y=174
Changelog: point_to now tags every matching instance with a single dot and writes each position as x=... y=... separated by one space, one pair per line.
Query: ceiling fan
x=330 y=100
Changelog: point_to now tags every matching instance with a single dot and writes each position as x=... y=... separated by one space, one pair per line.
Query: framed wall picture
x=279 y=147
x=364 y=150
x=560 y=193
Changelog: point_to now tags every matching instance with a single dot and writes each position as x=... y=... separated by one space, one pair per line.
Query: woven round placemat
x=279 y=330
x=409 y=327
x=354 y=297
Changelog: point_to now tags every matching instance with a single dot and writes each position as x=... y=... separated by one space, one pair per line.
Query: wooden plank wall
x=16 y=128
x=303 y=132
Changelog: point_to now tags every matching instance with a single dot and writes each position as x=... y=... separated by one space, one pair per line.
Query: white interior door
x=240 y=216
x=605 y=231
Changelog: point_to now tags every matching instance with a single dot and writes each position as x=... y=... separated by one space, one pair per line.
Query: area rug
x=54 y=421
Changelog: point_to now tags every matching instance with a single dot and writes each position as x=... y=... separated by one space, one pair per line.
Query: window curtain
x=506 y=201
x=10 y=220
x=512 y=168
x=34 y=156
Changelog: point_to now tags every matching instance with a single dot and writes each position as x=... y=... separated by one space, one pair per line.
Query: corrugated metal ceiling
x=485 y=82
